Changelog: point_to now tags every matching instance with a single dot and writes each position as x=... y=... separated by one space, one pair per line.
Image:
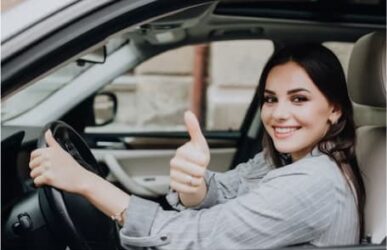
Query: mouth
x=282 y=132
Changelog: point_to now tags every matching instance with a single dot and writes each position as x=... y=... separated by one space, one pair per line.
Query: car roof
x=207 y=20
x=348 y=11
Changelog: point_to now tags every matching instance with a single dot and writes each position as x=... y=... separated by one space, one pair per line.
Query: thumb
x=194 y=131
x=50 y=140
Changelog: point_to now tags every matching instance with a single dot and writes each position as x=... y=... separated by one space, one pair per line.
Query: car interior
x=367 y=74
x=128 y=159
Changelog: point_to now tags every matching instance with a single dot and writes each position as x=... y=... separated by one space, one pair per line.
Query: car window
x=155 y=95
x=30 y=96
x=235 y=68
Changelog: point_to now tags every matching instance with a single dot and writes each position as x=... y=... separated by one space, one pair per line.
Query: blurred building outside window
x=155 y=95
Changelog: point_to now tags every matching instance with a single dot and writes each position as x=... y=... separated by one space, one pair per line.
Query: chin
x=285 y=149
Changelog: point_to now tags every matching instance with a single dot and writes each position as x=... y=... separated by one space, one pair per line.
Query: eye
x=299 y=99
x=269 y=99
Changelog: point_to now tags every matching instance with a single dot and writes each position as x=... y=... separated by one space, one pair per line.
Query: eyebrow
x=292 y=91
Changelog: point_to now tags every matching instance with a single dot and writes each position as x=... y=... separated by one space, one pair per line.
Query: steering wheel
x=71 y=218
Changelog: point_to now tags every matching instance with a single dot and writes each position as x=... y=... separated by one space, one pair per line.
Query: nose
x=281 y=111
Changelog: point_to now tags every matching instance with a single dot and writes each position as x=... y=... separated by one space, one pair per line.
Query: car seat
x=367 y=89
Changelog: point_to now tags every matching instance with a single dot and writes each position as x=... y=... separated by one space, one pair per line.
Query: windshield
x=32 y=95
x=29 y=97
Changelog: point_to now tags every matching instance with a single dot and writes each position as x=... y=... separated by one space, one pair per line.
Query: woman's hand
x=55 y=167
x=189 y=165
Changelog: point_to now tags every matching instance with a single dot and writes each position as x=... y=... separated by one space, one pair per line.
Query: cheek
x=265 y=118
x=265 y=114
x=312 y=116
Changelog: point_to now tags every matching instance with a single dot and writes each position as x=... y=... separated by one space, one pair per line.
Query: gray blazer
x=252 y=207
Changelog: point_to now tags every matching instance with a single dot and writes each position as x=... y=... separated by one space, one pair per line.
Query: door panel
x=146 y=172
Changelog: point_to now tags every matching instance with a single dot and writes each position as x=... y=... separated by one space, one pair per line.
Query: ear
x=335 y=114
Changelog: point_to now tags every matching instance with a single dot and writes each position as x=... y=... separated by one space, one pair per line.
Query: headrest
x=367 y=70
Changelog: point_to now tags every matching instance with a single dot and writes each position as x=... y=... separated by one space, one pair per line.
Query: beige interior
x=367 y=88
x=146 y=172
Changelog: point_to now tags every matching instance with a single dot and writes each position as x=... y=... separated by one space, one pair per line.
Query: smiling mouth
x=284 y=132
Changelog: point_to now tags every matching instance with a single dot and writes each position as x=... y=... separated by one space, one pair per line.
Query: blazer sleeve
x=287 y=208
x=222 y=187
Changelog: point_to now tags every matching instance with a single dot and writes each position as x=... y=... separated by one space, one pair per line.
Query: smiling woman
x=295 y=113
x=305 y=105
x=297 y=117
x=274 y=194
x=316 y=196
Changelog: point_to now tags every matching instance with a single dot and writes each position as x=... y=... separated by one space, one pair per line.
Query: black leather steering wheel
x=70 y=217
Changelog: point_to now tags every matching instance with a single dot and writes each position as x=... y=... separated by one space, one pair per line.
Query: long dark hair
x=325 y=70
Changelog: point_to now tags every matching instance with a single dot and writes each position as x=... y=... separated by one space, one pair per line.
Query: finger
x=35 y=162
x=193 y=127
x=37 y=172
x=182 y=188
x=192 y=155
x=40 y=180
x=187 y=167
x=37 y=152
x=184 y=178
x=50 y=139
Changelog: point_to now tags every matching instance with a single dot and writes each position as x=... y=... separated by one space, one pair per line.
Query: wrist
x=87 y=180
x=193 y=200
x=120 y=217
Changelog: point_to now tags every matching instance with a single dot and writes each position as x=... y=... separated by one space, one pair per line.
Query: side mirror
x=104 y=108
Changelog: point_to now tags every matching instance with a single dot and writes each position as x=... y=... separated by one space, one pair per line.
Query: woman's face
x=295 y=113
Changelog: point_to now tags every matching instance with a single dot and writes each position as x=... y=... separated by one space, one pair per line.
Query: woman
x=304 y=188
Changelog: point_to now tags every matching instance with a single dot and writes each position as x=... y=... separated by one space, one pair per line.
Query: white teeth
x=284 y=130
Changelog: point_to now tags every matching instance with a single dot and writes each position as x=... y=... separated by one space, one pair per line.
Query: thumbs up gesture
x=55 y=167
x=188 y=166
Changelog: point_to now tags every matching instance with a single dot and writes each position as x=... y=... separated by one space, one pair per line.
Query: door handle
x=126 y=180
